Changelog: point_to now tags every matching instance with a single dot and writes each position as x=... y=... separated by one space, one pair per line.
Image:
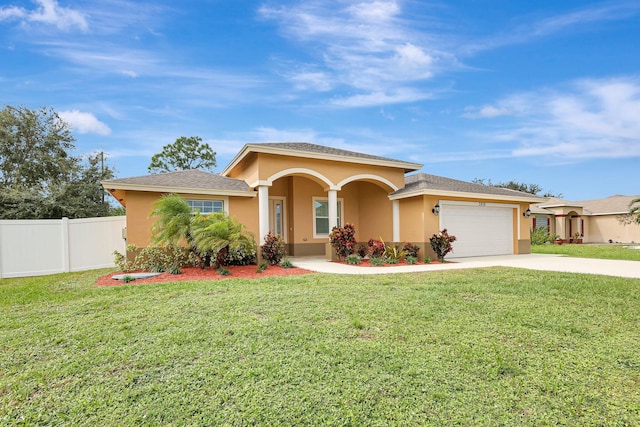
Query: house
x=588 y=221
x=302 y=190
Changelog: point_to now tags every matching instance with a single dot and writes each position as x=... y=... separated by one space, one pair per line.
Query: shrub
x=375 y=248
x=540 y=236
x=121 y=262
x=353 y=259
x=286 y=263
x=262 y=267
x=410 y=259
x=273 y=249
x=241 y=255
x=223 y=271
x=441 y=244
x=362 y=250
x=411 y=250
x=427 y=260
x=343 y=240
x=376 y=261
x=393 y=254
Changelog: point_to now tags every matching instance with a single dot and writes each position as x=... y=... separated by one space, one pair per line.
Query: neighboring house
x=302 y=191
x=589 y=221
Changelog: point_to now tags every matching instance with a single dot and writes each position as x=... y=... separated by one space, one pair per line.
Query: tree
x=518 y=186
x=39 y=176
x=634 y=210
x=185 y=153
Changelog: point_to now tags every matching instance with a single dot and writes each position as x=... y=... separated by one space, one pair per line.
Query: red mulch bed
x=196 y=273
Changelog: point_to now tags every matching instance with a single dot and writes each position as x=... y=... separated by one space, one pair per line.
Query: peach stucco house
x=589 y=221
x=302 y=190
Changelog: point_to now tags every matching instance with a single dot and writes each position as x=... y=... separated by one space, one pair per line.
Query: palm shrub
x=343 y=240
x=441 y=244
x=215 y=239
x=273 y=249
x=220 y=235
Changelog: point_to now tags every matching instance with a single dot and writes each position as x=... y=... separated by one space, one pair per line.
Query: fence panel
x=40 y=247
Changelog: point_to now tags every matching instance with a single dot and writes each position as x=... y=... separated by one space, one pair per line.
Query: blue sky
x=544 y=92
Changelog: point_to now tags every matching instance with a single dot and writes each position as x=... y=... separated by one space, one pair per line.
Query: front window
x=206 y=206
x=321 y=216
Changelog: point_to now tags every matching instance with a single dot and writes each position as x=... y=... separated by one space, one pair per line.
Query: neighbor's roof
x=187 y=181
x=314 y=151
x=614 y=205
x=611 y=205
x=423 y=183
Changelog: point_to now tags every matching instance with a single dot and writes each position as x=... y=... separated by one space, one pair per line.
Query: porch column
x=395 y=204
x=332 y=199
x=263 y=211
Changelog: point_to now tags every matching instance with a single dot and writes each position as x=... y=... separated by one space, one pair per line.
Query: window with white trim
x=321 y=216
x=206 y=206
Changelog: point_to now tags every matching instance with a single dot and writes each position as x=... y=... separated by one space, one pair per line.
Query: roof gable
x=314 y=151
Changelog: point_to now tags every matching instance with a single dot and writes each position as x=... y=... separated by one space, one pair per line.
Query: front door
x=277 y=223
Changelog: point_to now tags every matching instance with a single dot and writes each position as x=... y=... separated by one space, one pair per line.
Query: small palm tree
x=174 y=225
x=218 y=234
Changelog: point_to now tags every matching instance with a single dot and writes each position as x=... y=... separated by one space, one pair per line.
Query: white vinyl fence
x=47 y=246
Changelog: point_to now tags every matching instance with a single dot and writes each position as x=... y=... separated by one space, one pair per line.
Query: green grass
x=590 y=251
x=468 y=347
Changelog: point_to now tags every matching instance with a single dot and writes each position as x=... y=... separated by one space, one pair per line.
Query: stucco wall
x=602 y=228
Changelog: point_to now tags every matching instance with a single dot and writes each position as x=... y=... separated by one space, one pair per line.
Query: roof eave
x=448 y=193
x=257 y=148
x=172 y=189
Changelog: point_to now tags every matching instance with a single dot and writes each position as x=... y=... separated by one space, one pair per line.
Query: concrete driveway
x=630 y=269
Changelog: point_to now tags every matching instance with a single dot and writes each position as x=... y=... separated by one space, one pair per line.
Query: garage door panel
x=479 y=230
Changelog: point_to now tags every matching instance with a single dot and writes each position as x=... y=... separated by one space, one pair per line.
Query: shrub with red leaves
x=343 y=240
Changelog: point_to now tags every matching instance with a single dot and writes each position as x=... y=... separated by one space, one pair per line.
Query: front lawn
x=466 y=347
x=602 y=251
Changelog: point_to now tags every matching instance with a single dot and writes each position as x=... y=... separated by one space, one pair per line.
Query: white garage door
x=480 y=229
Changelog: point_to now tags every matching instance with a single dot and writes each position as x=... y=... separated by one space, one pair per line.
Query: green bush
x=353 y=259
x=273 y=249
x=375 y=261
x=223 y=271
x=410 y=259
x=540 y=236
x=286 y=263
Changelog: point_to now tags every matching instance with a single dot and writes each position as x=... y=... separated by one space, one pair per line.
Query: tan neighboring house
x=302 y=190
x=588 y=221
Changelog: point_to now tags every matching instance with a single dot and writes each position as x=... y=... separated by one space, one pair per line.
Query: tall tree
x=634 y=210
x=519 y=186
x=39 y=175
x=185 y=153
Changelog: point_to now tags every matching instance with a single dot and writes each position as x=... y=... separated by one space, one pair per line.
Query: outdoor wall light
x=527 y=213
x=436 y=209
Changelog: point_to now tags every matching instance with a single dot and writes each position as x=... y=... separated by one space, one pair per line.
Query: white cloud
x=401 y=95
x=589 y=119
x=84 y=122
x=48 y=12
x=367 y=47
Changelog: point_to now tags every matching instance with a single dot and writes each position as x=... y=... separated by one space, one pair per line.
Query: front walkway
x=545 y=262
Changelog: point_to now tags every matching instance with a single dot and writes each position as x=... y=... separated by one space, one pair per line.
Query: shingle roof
x=615 y=204
x=321 y=149
x=426 y=182
x=185 y=179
